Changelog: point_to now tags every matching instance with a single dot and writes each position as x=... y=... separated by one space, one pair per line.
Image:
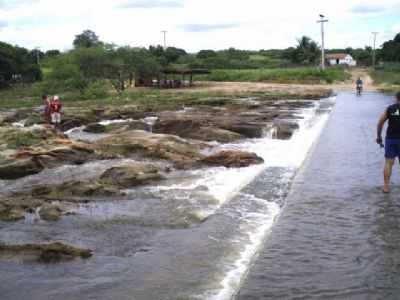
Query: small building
x=335 y=59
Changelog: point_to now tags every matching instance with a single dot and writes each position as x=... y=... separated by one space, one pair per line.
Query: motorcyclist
x=359 y=85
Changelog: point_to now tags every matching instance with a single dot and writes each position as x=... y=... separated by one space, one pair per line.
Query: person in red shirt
x=56 y=109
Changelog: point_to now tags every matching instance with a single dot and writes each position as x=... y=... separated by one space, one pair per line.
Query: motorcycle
x=359 y=90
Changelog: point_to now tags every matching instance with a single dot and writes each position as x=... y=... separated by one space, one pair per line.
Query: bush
x=294 y=75
x=64 y=77
x=96 y=90
x=389 y=73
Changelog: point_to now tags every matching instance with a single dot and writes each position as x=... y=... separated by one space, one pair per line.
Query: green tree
x=391 y=50
x=65 y=75
x=52 y=53
x=306 y=52
x=17 y=60
x=206 y=54
x=7 y=60
x=172 y=54
x=90 y=61
x=86 y=39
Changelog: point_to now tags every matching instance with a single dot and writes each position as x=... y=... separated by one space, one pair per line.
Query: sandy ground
x=240 y=87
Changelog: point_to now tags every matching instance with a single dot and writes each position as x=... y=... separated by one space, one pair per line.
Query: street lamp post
x=322 y=21
x=374 y=50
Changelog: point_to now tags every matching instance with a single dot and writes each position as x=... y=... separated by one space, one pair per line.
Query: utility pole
x=322 y=21
x=165 y=38
x=374 y=50
x=37 y=55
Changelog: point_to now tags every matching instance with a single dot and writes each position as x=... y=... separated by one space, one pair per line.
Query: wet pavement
x=338 y=236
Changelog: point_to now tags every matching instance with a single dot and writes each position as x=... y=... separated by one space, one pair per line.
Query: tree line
x=17 y=63
x=91 y=63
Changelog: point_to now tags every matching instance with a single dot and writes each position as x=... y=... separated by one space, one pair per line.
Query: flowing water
x=338 y=235
x=194 y=236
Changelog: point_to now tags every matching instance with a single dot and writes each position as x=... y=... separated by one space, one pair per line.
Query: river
x=281 y=230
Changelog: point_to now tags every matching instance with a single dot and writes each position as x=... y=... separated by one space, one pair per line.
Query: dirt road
x=242 y=87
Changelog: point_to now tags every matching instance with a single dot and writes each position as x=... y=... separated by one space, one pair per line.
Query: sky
x=198 y=24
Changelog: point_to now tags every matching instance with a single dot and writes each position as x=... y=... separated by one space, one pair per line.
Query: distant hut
x=172 y=78
x=335 y=59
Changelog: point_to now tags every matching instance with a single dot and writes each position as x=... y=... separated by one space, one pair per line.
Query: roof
x=185 y=71
x=337 y=55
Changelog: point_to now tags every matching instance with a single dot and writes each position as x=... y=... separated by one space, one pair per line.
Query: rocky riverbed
x=136 y=145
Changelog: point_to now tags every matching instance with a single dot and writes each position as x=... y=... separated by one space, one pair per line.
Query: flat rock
x=285 y=129
x=233 y=159
x=50 y=212
x=68 y=124
x=95 y=128
x=74 y=191
x=137 y=143
x=8 y=214
x=131 y=175
x=46 y=253
x=215 y=134
x=21 y=168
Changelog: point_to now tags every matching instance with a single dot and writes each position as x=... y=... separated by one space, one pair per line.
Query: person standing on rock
x=392 y=141
x=56 y=108
x=46 y=113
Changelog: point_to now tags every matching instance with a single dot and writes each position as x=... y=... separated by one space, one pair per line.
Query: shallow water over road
x=338 y=236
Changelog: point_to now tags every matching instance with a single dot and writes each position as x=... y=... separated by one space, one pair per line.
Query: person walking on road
x=392 y=141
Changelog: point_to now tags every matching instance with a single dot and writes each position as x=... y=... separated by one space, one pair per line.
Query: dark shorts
x=392 y=148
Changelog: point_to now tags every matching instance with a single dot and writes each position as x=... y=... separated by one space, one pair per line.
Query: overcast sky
x=197 y=24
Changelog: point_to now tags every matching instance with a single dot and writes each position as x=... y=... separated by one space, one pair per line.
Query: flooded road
x=338 y=236
x=281 y=230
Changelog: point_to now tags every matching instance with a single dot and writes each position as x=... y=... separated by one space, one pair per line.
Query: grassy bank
x=142 y=97
x=388 y=76
x=28 y=96
x=293 y=75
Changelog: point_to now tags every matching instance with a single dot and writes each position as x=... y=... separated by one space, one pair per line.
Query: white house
x=341 y=59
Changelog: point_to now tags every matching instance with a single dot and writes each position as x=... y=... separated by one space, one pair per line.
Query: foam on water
x=262 y=224
x=117 y=121
x=223 y=183
x=288 y=154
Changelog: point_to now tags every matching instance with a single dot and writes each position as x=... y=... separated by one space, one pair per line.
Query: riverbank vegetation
x=388 y=76
x=389 y=73
x=292 y=75
x=388 y=70
x=95 y=70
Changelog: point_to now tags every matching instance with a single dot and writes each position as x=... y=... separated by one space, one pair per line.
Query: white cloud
x=191 y=24
x=207 y=27
x=367 y=9
x=150 y=4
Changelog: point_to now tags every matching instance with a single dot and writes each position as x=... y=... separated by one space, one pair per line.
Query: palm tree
x=307 y=51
